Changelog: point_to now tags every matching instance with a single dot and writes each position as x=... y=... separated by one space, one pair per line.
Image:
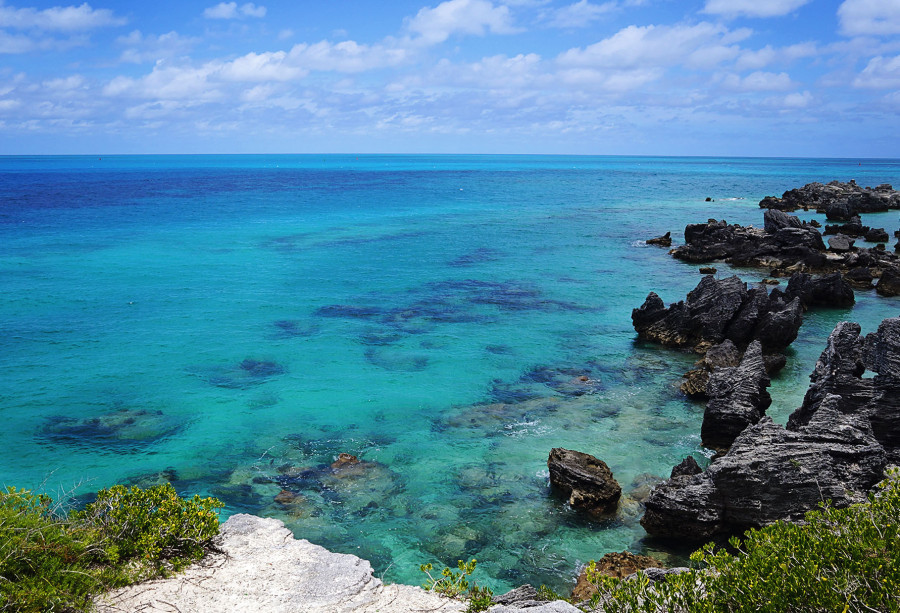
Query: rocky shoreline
x=835 y=447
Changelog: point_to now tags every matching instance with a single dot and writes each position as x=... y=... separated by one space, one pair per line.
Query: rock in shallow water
x=587 y=482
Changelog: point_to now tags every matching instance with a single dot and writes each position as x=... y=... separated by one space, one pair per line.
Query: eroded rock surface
x=737 y=399
x=262 y=568
x=770 y=474
x=585 y=481
x=837 y=200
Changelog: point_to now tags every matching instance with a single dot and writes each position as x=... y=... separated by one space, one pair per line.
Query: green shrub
x=456 y=585
x=844 y=560
x=53 y=562
x=153 y=525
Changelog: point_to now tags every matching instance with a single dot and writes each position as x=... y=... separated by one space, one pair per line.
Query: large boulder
x=737 y=399
x=889 y=283
x=585 y=481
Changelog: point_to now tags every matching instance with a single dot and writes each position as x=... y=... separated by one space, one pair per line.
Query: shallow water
x=233 y=323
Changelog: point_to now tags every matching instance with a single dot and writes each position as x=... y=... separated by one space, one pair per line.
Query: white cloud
x=798 y=100
x=269 y=66
x=634 y=47
x=754 y=60
x=752 y=8
x=758 y=81
x=58 y=18
x=149 y=48
x=869 y=17
x=880 y=73
x=435 y=25
x=346 y=56
x=230 y=10
x=580 y=14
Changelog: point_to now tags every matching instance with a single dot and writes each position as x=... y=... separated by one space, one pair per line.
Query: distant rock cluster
x=839 y=201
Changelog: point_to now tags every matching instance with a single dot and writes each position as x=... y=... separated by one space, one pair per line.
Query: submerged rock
x=587 y=482
x=125 y=430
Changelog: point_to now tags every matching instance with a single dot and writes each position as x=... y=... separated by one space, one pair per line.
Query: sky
x=776 y=78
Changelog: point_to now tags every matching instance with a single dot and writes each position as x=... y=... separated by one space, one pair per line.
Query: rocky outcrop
x=785 y=245
x=835 y=447
x=841 y=372
x=837 y=200
x=719 y=318
x=769 y=474
x=784 y=240
x=663 y=241
x=723 y=355
x=261 y=567
x=830 y=290
x=718 y=310
x=889 y=283
x=737 y=399
x=585 y=481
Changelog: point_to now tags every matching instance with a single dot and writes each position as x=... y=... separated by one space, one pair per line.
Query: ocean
x=233 y=323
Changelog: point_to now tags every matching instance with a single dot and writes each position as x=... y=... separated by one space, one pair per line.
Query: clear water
x=233 y=323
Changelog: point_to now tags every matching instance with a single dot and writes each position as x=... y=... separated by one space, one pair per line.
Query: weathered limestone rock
x=838 y=200
x=889 y=283
x=263 y=568
x=737 y=399
x=830 y=290
x=840 y=243
x=838 y=372
x=723 y=355
x=770 y=473
x=587 y=482
x=686 y=468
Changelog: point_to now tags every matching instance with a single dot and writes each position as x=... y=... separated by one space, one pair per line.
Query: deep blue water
x=233 y=323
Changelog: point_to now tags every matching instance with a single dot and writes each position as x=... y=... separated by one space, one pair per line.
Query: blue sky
x=667 y=77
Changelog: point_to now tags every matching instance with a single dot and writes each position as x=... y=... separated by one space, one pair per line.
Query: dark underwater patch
x=247 y=373
x=123 y=430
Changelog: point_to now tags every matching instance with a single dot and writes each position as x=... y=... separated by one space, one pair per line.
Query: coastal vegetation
x=51 y=560
x=836 y=560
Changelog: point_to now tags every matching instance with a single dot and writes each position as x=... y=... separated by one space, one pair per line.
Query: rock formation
x=720 y=318
x=262 y=567
x=785 y=245
x=737 y=399
x=663 y=241
x=585 y=481
x=769 y=474
x=835 y=447
x=837 y=200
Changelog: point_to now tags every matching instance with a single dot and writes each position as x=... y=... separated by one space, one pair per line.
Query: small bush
x=153 y=525
x=456 y=585
x=844 y=560
x=53 y=562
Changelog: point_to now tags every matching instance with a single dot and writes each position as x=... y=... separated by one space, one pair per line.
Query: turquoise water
x=233 y=323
